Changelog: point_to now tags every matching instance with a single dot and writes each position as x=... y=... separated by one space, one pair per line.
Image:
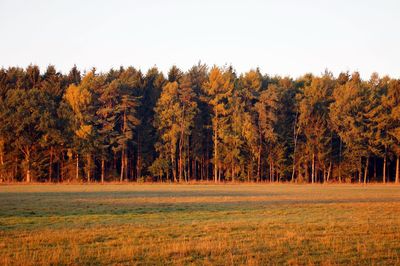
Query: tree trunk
x=51 y=164
x=167 y=175
x=194 y=169
x=77 y=167
x=28 y=167
x=123 y=155
x=366 y=170
x=102 y=170
x=248 y=173
x=27 y=152
x=340 y=160
x=201 y=168
x=329 y=172
x=188 y=165
x=295 y=136
x=173 y=162
x=89 y=166
x=138 y=159
x=62 y=167
x=273 y=172
x=216 y=148
x=28 y=175
x=15 y=168
x=360 y=170
x=115 y=161
x=58 y=170
x=126 y=176
x=121 y=177
x=397 y=169
x=1 y=164
x=132 y=167
x=259 y=156
x=233 y=172
x=312 y=168
x=180 y=156
x=219 y=173
x=207 y=158
x=270 y=171
x=384 y=167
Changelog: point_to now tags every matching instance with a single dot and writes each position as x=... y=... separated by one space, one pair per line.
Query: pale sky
x=285 y=37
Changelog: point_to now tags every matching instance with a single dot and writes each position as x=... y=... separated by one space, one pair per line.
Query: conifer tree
x=128 y=84
x=248 y=93
x=219 y=88
x=25 y=115
x=389 y=123
x=82 y=99
x=267 y=109
x=146 y=137
x=314 y=122
x=348 y=116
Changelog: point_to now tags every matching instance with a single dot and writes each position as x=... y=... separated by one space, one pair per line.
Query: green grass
x=199 y=224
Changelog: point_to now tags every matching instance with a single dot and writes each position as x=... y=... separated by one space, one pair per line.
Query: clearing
x=199 y=224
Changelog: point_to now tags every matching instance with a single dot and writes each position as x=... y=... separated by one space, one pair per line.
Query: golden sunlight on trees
x=203 y=124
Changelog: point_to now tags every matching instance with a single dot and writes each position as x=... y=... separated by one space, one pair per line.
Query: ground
x=199 y=224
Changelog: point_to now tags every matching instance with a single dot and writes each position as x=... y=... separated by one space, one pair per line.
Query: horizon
x=165 y=72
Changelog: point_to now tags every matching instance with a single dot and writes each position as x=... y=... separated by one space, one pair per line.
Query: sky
x=285 y=37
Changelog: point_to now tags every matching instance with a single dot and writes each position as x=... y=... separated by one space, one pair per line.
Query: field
x=199 y=224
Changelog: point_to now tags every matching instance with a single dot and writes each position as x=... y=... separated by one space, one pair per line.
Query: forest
x=205 y=124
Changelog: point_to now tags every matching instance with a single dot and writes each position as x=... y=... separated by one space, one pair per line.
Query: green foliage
x=197 y=125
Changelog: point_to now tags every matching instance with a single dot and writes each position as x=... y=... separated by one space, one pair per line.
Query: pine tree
x=25 y=116
x=128 y=84
x=106 y=121
x=146 y=150
x=82 y=99
x=389 y=123
x=348 y=115
x=201 y=141
x=314 y=122
x=175 y=113
x=188 y=111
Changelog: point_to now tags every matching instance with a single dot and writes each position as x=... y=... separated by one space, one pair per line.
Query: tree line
x=205 y=124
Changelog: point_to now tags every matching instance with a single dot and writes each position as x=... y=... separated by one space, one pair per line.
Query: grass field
x=199 y=224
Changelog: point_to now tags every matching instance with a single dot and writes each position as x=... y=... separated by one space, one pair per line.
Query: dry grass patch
x=199 y=225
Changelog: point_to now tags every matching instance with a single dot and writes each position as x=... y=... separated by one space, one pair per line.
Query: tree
x=219 y=88
x=81 y=99
x=167 y=110
x=127 y=84
x=175 y=113
x=188 y=111
x=249 y=89
x=349 y=117
x=25 y=116
x=284 y=153
x=198 y=124
x=314 y=122
x=146 y=150
x=267 y=109
x=201 y=141
x=389 y=123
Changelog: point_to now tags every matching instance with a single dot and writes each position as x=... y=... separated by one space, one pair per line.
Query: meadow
x=160 y=224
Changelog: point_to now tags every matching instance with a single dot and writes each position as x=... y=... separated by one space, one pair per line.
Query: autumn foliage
x=206 y=124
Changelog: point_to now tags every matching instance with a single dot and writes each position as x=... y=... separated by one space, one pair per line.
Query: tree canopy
x=203 y=124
